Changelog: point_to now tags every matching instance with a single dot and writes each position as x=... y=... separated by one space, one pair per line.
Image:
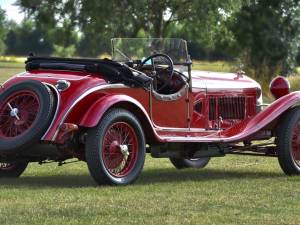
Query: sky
x=12 y=12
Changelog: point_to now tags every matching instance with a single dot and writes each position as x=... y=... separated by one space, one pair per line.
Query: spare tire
x=26 y=110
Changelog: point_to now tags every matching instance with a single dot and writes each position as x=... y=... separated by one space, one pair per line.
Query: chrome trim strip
x=192 y=139
x=188 y=101
x=263 y=105
x=57 y=107
x=189 y=130
x=150 y=102
x=52 y=77
x=101 y=87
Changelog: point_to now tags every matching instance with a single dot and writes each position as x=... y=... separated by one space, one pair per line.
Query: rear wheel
x=115 y=149
x=181 y=163
x=25 y=113
x=12 y=170
x=288 y=142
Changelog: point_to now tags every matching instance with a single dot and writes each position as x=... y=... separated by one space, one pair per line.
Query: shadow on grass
x=171 y=175
x=150 y=176
x=48 y=181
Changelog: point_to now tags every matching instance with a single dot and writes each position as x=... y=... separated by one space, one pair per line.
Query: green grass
x=231 y=190
x=218 y=66
x=12 y=65
x=7 y=69
x=295 y=82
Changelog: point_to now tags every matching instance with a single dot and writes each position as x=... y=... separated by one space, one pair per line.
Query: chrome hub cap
x=14 y=112
x=124 y=150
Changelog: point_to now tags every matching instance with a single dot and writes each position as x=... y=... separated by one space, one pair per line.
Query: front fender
x=100 y=107
x=248 y=128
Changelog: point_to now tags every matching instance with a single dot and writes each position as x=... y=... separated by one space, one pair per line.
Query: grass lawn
x=7 y=69
x=218 y=66
x=230 y=190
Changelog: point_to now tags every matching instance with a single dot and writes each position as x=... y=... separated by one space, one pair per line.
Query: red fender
x=261 y=120
x=98 y=109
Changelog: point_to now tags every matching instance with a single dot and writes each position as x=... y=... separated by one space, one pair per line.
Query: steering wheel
x=160 y=74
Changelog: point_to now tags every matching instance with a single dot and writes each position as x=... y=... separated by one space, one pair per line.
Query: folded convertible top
x=112 y=71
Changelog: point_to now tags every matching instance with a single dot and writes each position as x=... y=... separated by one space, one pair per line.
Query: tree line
x=262 y=34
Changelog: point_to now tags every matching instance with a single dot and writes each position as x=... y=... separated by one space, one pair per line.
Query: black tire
x=181 y=163
x=95 y=152
x=12 y=170
x=285 y=148
x=41 y=122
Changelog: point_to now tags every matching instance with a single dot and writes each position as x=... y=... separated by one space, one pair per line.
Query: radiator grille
x=227 y=107
x=232 y=107
x=212 y=108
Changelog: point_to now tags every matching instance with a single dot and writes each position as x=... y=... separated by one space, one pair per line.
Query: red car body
x=212 y=113
x=90 y=96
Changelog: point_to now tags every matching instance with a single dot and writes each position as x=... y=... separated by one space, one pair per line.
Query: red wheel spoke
x=7 y=166
x=125 y=138
x=119 y=135
x=26 y=104
x=295 y=142
x=5 y=122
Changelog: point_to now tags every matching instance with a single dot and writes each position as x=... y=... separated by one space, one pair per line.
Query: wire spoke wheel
x=26 y=111
x=115 y=149
x=181 y=163
x=120 y=149
x=288 y=142
x=17 y=113
x=296 y=143
x=12 y=169
x=7 y=166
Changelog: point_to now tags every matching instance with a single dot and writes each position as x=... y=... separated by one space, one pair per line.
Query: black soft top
x=112 y=71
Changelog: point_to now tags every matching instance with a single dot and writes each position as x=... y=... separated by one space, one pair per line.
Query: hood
x=222 y=81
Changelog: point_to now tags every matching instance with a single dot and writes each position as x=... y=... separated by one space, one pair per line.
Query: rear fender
x=262 y=119
x=96 y=112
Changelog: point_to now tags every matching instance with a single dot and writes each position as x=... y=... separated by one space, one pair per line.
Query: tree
x=3 y=30
x=98 y=21
x=204 y=24
x=56 y=19
x=268 y=35
x=26 y=38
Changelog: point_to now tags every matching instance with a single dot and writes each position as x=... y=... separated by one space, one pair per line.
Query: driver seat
x=171 y=97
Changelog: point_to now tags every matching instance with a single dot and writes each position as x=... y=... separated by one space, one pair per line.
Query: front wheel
x=181 y=163
x=115 y=149
x=288 y=142
x=12 y=170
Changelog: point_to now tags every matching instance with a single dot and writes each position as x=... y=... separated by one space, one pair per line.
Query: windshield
x=129 y=49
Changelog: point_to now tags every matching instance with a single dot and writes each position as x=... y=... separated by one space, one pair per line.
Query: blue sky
x=12 y=12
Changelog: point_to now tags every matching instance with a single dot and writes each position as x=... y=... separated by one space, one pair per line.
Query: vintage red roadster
x=147 y=99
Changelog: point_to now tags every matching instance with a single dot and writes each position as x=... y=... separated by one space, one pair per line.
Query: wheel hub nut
x=14 y=112
x=124 y=150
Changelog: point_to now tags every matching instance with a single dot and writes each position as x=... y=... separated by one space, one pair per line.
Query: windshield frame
x=149 y=40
